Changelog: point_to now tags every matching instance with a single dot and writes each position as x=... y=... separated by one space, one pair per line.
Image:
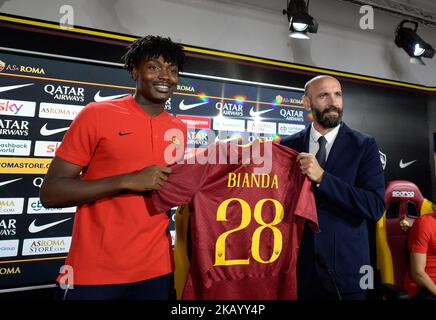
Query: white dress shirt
x=330 y=137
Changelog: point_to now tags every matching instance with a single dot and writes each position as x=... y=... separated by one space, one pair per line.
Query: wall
x=432 y=148
x=236 y=27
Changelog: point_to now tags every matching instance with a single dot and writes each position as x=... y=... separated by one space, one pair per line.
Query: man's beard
x=328 y=121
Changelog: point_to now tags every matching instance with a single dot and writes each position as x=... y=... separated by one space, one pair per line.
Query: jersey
x=246 y=220
x=422 y=239
x=115 y=239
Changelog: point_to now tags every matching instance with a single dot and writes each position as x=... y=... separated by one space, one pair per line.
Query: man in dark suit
x=348 y=181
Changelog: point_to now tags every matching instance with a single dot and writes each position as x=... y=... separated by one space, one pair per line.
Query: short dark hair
x=152 y=47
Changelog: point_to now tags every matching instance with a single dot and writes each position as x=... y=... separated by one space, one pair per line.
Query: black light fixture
x=413 y=44
x=300 y=22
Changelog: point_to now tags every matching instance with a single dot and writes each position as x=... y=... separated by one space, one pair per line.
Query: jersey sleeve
x=420 y=235
x=181 y=186
x=81 y=139
x=306 y=206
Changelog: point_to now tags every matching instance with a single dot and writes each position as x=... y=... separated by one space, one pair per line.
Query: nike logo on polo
x=183 y=106
x=7 y=88
x=258 y=113
x=99 y=98
x=48 y=132
x=124 y=133
x=35 y=229
x=405 y=165
x=3 y=183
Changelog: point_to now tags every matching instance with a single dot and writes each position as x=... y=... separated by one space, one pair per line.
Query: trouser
x=159 y=288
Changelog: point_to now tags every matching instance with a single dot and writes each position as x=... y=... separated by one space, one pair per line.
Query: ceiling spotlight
x=409 y=40
x=300 y=22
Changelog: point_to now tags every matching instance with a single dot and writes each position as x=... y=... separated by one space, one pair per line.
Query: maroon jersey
x=245 y=225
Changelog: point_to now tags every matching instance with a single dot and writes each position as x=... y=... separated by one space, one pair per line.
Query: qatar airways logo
x=230 y=109
x=66 y=93
x=292 y=115
x=403 y=194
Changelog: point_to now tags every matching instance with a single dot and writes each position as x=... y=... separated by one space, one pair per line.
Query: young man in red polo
x=111 y=156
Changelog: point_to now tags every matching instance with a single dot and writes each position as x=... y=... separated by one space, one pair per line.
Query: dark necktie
x=321 y=155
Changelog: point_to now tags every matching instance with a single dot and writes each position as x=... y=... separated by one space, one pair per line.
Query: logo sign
x=185 y=88
x=230 y=109
x=168 y=104
x=25 y=69
x=9 y=270
x=8 y=227
x=173 y=237
x=34 y=228
x=403 y=194
x=254 y=113
x=99 y=98
x=292 y=115
x=261 y=127
x=183 y=106
x=66 y=93
x=17 y=108
x=14 y=127
x=34 y=206
x=283 y=100
x=8 y=248
x=290 y=128
x=49 y=132
x=222 y=123
x=6 y=182
x=200 y=138
x=382 y=159
x=15 y=147
x=58 y=111
x=11 y=205
x=197 y=122
x=24 y=165
x=406 y=164
x=43 y=246
x=17 y=86
x=46 y=148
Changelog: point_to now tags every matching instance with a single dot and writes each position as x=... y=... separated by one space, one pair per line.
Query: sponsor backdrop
x=39 y=98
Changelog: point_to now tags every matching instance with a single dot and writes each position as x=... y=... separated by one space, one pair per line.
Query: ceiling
x=425 y=9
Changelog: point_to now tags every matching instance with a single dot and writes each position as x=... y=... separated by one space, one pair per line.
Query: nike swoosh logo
x=124 y=133
x=99 y=98
x=258 y=113
x=48 y=132
x=405 y=165
x=183 y=106
x=3 y=183
x=35 y=229
x=7 y=88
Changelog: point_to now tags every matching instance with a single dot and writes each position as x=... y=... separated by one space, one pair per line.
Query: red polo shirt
x=422 y=239
x=115 y=239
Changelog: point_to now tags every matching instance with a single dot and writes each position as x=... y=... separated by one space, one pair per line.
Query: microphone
x=323 y=264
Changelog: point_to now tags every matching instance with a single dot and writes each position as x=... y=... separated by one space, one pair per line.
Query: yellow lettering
x=265 y=180
x=231 y=182
x=246 y=182
x=275 y=182
x=255 y=180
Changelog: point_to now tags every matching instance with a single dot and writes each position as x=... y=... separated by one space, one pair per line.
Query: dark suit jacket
x=351 y=193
